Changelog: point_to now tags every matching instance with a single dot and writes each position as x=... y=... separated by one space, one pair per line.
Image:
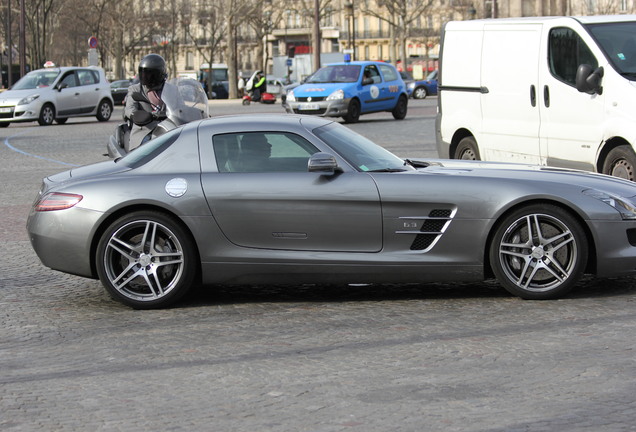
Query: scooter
x=266 y=98
x=185 y=101
x=248 y=97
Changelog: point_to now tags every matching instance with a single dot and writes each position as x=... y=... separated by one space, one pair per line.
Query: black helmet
x=152 y=71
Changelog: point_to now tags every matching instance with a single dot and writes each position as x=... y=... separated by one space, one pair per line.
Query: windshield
x=36 y=79
x=618 y=41
x=360 y=152
x=336 y=74
x=150 y=149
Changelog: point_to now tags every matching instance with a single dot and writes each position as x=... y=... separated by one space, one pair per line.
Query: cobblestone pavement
x=438 y=357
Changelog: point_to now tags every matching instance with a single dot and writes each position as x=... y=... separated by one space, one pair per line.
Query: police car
x=349 y=89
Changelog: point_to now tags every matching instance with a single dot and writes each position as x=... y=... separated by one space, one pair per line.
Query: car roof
x=360 y=63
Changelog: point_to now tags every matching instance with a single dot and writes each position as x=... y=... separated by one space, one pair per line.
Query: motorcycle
x=248 y=97
x=185 y=101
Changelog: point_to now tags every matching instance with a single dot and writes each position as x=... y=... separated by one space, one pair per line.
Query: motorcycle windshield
x=185 y=101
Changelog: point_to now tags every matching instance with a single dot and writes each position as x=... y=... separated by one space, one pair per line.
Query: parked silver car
x=45 y=95
x=303 y=199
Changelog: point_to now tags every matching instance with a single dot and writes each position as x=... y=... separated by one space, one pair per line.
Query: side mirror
x=62 y=86
x=323 y=163
x=588 y=79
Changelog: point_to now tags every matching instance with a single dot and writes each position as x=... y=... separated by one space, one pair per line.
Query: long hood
x=513 y=173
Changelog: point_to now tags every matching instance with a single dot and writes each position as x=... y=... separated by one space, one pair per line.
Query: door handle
x=533 y=96
x=546 y=96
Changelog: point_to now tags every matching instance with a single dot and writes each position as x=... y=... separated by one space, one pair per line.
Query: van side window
x=566 y=52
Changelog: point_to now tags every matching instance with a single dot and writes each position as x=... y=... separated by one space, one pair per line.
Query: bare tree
x=206 y=27
x=41 y=18
x=402 y=15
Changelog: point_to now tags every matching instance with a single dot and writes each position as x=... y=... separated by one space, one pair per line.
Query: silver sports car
x=295 y=199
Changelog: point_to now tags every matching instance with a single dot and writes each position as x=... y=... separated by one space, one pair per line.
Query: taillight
x=57 y=201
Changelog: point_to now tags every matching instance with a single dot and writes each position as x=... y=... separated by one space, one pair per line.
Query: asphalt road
x=437 y=357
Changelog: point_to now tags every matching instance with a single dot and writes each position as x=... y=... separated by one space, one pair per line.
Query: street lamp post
x=351 y=24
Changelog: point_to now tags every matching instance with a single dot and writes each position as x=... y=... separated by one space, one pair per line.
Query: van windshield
x=618 y=41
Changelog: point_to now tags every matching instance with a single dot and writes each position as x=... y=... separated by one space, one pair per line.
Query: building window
x=189 y=60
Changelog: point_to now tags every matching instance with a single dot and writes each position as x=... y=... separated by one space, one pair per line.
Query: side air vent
x=431 y=229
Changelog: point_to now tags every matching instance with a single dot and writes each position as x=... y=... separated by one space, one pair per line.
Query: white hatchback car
x=45 y=95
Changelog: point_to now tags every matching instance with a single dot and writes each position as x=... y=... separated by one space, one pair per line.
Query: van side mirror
x=588 y=79
x=323 y=163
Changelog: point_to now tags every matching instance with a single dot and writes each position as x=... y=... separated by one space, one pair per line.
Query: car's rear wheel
x=621 y=162
x=61 y=120
x=467 y=149
x=399 y=112
x=539 y=252
x=353 y=112
x=146 y=260
x=47 y=115
x=420 y=93
x=104 y=111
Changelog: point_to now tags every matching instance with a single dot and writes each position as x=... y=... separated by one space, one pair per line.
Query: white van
x=557 y=91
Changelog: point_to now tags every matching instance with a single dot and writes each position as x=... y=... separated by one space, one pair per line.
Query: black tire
x=47 y=115
x=353 y=112
x=539 y=252
x=61 y=120
x=4 y=124
x=420 y=93
x=401 y=107
x=621 y=162
x=104 y=110
x=467 y=149
x=246 y=102
x=146 y=260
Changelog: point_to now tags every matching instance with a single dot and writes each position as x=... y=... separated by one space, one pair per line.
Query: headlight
x=290 y=96
x=623 y=205
x=27 y=100
x=411 y=85
x=337 y=95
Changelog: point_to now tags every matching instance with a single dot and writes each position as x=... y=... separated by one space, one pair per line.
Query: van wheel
x=621 y=162
x=47 y=115
x=467 y=149
x=353 y=112
x=399 y=112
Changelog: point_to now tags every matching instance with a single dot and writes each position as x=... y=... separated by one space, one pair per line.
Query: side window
x=389 y=73
x=566 y=52
x=87 y=77
x=262 y=152
x=69 y=80
x=372 y=72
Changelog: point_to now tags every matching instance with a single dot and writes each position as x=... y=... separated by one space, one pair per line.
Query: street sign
x=92 y=42
x=289 y=62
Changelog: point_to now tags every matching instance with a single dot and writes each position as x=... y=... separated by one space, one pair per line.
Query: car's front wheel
x=420 y=93
x=539 y=252
x=146 y=260
x=353 y=112
x=621 y=162
x=47 y=115
x=104 y=110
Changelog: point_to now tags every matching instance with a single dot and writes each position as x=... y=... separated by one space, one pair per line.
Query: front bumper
x=19 y=113
x=331 y=108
